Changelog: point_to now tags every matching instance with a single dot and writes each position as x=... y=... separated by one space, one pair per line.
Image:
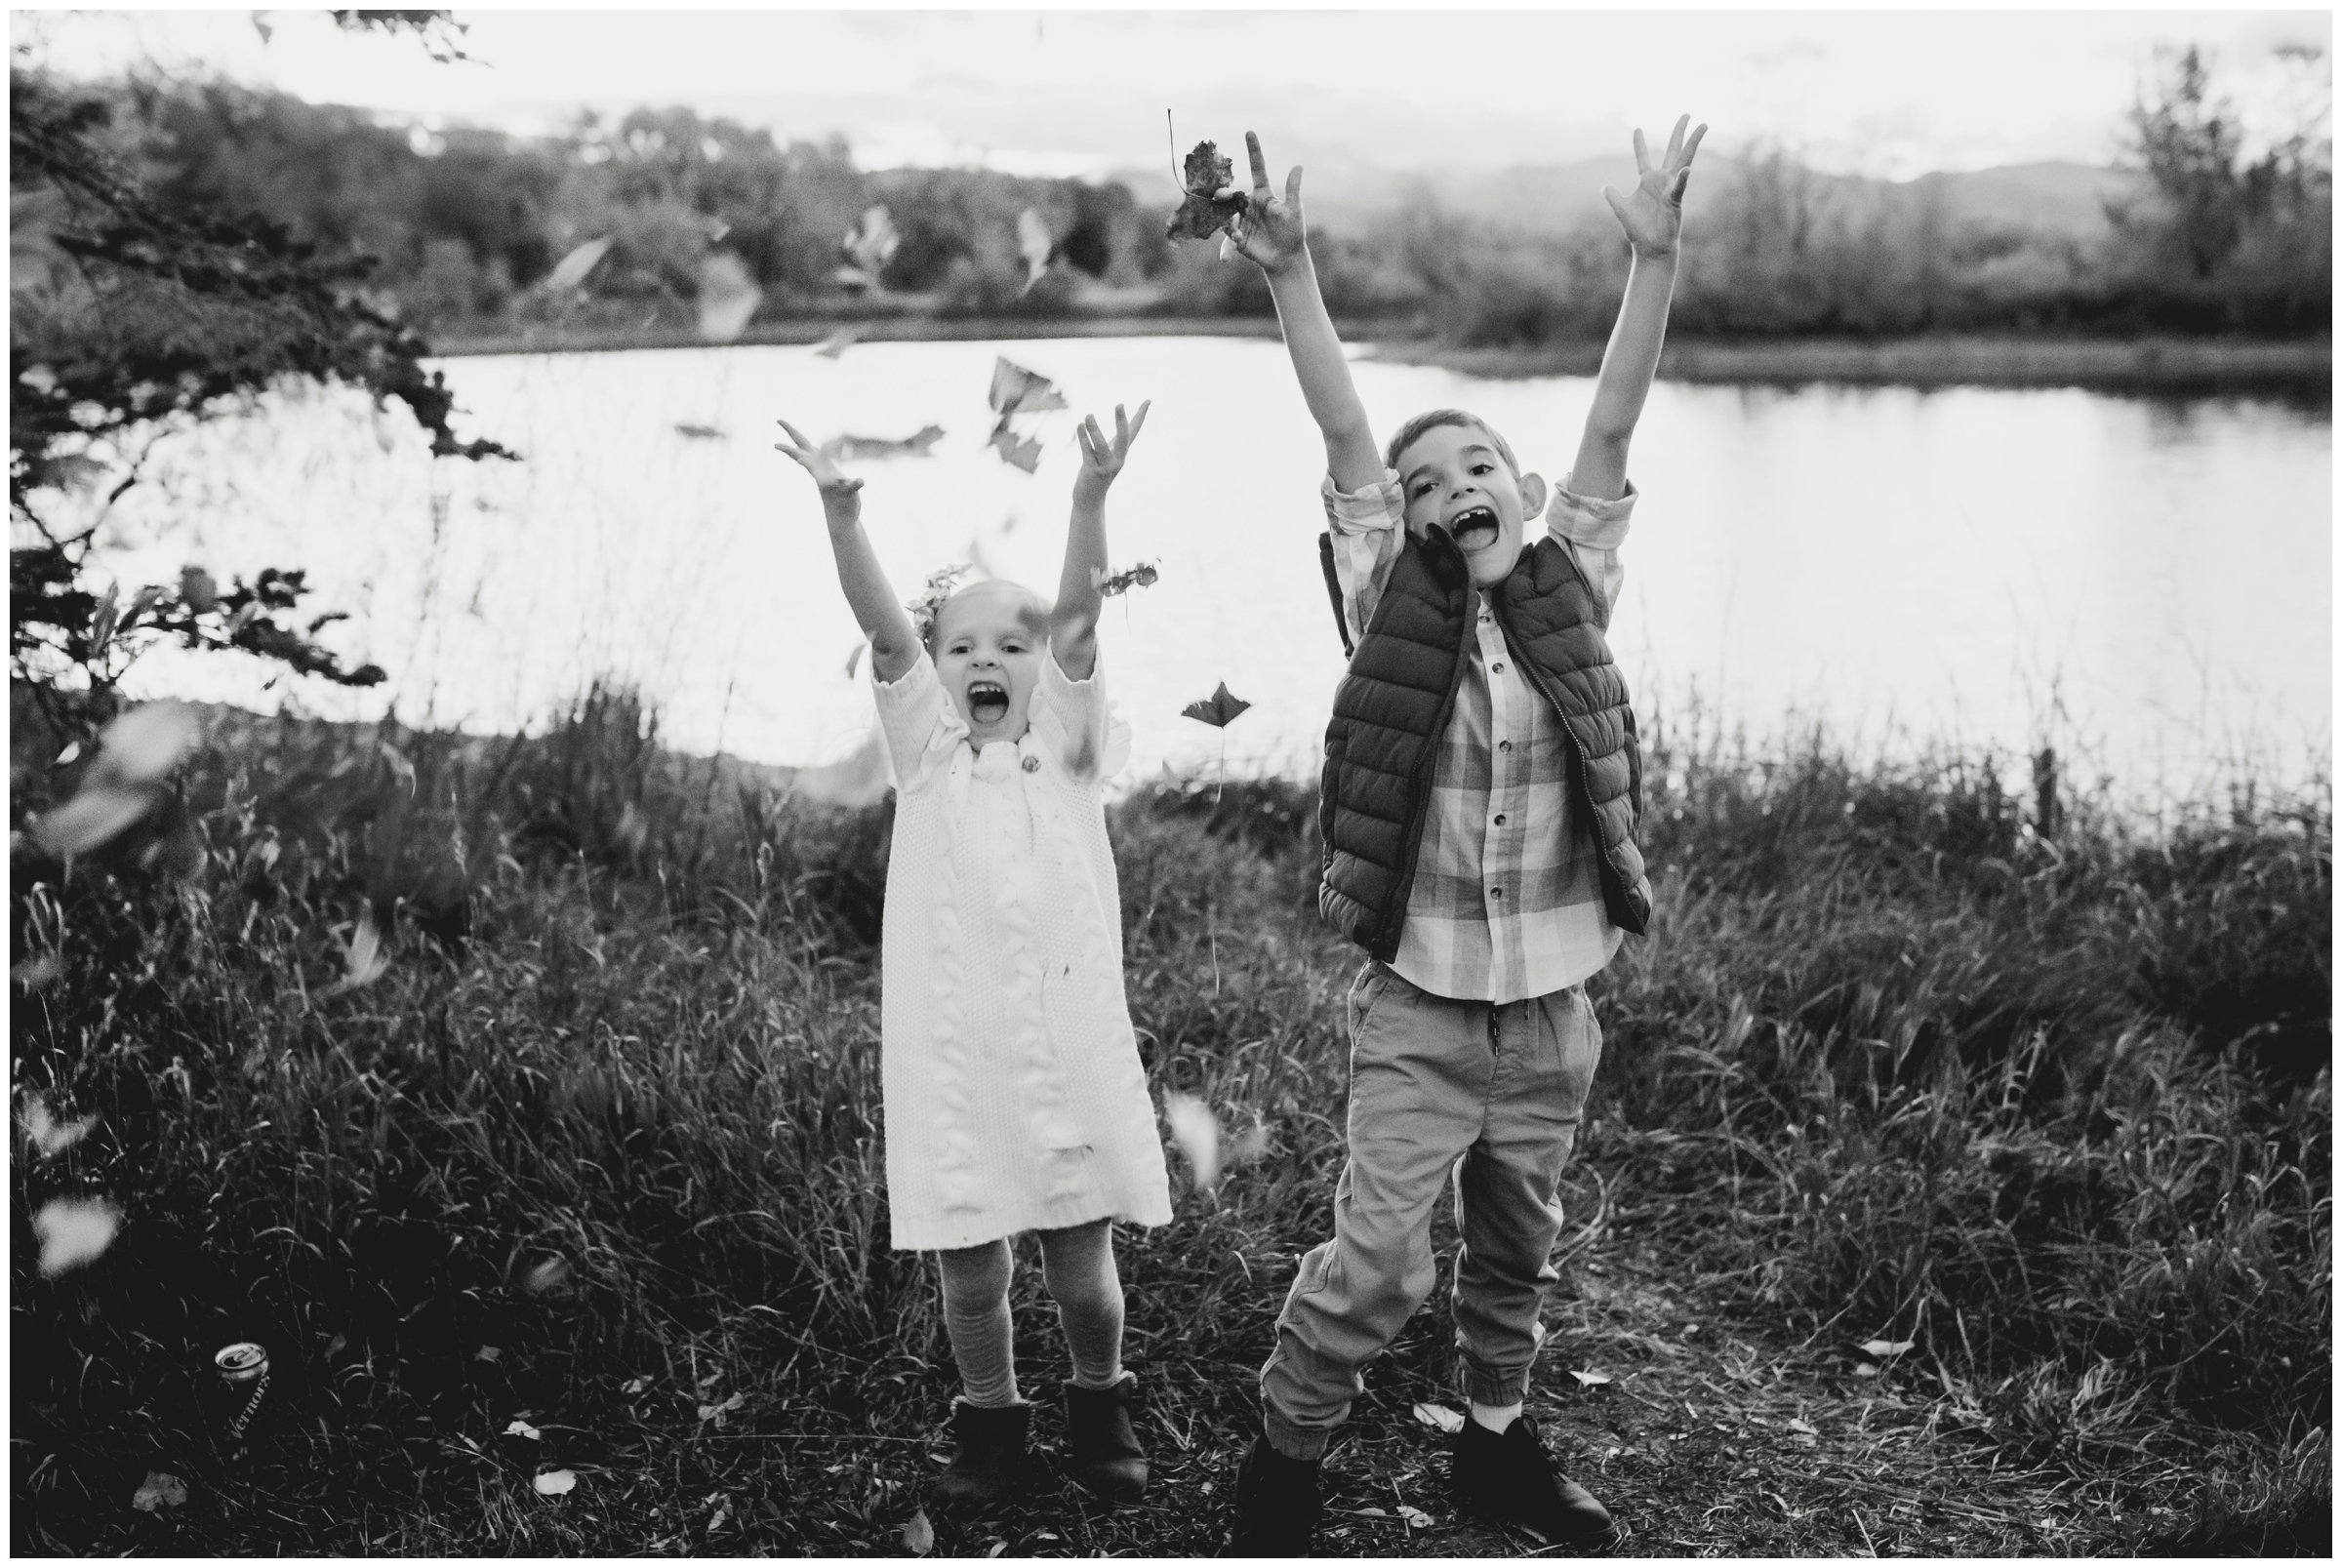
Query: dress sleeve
x=1368 y=525
x=920 y=726
x=1592 y=531
x=1073 y=720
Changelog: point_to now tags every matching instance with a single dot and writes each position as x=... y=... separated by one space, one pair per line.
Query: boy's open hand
x=837 y=489
x=1653 y=215
x=1270 y=232
x=1101 y=458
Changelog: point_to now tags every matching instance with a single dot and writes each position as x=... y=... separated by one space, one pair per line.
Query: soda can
x=243 y=1369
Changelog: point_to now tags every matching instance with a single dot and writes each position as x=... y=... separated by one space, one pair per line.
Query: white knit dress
x=1015 y=1097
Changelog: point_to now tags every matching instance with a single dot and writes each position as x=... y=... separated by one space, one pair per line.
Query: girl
x=1015 y=1099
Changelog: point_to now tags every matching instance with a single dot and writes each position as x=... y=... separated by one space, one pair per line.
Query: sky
x=1890 y=93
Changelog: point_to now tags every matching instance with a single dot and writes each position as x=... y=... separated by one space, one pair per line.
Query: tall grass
x=603 y=1143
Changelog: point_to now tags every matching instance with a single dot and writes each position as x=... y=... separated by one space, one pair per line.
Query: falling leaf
x=96 y=815
x=699 y=432
x=549 y=1274
x=102 y=621
x=1416 y=1518
x=1141 y=576
x=1886 y=1349
x=1217 y=710
x=1250 y=1144
x=856 y=448
x=160 y=1489
x=556 y=1483
x=570 y=271
x=40 y=377
x=838 y=342
x=1204 y=211
x=728 y=297
x=363 y=962
x=1196 y=1132
x=919 y=1535
x=73 y=1231
x=198 y=589
x=1589 y=1380
x=521 y=1428
x=1015 y=452
x=1035 y=245
x=1439 y=1416
x=143 y=744
x=50 y=1136
x=1017 y=390
x=871 y=243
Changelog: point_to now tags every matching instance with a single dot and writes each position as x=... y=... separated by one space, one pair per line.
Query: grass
x=600 y=1151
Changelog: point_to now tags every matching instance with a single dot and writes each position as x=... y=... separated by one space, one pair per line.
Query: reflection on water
x=2145 y=581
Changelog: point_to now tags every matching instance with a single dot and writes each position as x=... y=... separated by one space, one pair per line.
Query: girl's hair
x=1412 y=431
x=940 y=586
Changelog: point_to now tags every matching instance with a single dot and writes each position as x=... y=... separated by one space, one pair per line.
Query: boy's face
x=989 y=639
x=1452 y=475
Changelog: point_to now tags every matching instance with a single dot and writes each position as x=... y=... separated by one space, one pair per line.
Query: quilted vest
x=1394 y=704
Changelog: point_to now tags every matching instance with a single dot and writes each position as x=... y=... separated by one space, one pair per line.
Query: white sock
x=1496 y=1417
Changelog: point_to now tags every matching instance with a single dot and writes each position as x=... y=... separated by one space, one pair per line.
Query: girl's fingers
x=1293 y=188
x=794 y=434
x=1642 y=153
x=1260 y=165
x=1675 y=138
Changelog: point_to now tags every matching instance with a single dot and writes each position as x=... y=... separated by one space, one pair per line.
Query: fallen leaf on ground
x=160 y=1489
x=74 y=1231
x=551 y=1274
x=1884 y=1348
x=1415 y=1518
x=488 y=1353
x=556 y=1483
x=1803 y=1427
x=636 y=1384
x=1589 y=1380
x=521 y=1428
x=1866 y=1370
x=919 y=1535
x=48 y=1135
x=1439 y=1416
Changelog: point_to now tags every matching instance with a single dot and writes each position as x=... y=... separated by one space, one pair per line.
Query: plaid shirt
x=1507 y=901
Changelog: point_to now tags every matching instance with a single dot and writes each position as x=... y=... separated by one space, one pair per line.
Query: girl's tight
x=1079 y=1267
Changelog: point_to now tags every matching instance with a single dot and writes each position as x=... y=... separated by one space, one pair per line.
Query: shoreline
x=2300 y=368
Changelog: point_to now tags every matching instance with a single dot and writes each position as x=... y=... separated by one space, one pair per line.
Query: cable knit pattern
x=1015 y=1095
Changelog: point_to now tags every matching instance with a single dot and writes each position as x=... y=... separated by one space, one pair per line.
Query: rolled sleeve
x=1077 y=723
x=1366 y=525
x=920 y=725
x=1594 y=530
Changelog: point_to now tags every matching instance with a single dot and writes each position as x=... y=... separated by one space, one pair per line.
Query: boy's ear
x=1532 y=497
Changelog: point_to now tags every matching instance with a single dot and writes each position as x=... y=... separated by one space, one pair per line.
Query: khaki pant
x=1489 y=1093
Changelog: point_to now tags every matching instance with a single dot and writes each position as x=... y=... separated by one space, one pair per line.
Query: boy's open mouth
x=987 y=702
x=1473 y=530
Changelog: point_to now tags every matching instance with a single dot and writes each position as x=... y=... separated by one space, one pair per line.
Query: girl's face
x=988 y=642
x=1453 y=476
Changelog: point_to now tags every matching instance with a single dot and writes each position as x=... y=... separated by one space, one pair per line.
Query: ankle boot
x=1102 y=1452
x=987 y=1458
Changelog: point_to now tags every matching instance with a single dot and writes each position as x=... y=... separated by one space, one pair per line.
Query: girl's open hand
x=1653 y=215
x=1101 y=458
x=836 y=488
x=1270 y=232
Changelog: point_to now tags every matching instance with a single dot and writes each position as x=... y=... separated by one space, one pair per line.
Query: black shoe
x=1510 y=1477
x=1102 y=1452
x=987 y=1458
x=1276 y=1505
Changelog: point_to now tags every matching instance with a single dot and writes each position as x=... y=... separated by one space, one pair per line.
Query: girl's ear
x=1532 y=497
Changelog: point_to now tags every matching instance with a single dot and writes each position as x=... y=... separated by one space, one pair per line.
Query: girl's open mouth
x=987 y=702
x=1474 y=530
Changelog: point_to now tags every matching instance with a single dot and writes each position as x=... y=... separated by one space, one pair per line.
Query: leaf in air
x=837 y=342
x=1141 y=576
x=556 y=1483
x=1218 y=710
x=363 y=962
x=73 y=1231
x=160 y=1489
x=1883 y=1349
x=96 y=815
x=728 y=297
x=871 y=243
x=919 y=1535
x=1196 y=1132
x=1204 y=211
x=1017 y=390
x=1034 y=246
x=570 y=271
x=50 y=1136
x=1251 y=1144
x=521 y=1428
x=1439 y=1416
x=1589 y=1380
x=1017 y=453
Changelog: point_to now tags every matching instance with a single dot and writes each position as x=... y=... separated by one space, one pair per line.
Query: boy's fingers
x=794 y=434
x=1675 y=138
x=1618 y=203
x=1693 y=145
x=1293 y=188
x=1682 y=179
x=1642 y=153
x=1259 y=164
x=1139 y=420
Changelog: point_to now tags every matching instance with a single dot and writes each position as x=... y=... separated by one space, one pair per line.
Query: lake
x=2145 y=583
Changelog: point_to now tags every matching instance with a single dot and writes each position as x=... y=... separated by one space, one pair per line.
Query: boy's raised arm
x=1653 y=218
x=1272 y=233
x=1073 y=619
x=894 y=641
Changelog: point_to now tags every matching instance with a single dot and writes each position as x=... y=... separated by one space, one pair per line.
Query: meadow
x=1957 y=1179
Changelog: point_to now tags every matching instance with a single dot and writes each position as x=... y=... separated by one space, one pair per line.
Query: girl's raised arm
x=894 y=642
x=1073 y=619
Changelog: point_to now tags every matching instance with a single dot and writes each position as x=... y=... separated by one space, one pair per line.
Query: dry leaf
x=1017 y=390
x=1015 y=451
x=919 y=1535
x=94 y=817
x=74 y=1231
x=1141 y=576
x=556 y=1483
x=521 y=1428
x=1034 y=246
x=1219 y=710
x=1801 y=1426
x=1589 y=1380
x=1439 y=1416
x=1885 y=1350
x=38 y=970
x=551 y=1274
x=488 y=1353
x=1866 y=1370
x=160 y=1489
x=1416 y=1518
x=1196 y=1132
x=146 y=744
x=571 y=269
x=636 y=1384
x=50 y=1136
x=1204 y=211
x=728 y=297
x=838 y=342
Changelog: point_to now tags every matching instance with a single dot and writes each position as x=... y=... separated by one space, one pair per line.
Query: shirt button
x=1033 y=764
x=1496 y=893
x=1500 y=819
x=1498 y=666
x=1504 y=746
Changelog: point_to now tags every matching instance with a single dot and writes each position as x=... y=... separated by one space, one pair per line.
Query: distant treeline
x=468 y=226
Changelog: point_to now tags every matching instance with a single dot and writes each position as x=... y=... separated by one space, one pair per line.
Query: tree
x=129 y=318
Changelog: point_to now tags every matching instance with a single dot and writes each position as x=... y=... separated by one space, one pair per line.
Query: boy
x=1480 y=788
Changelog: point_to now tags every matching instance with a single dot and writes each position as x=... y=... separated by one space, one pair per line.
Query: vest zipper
x=1395 y=917
x=1577 y=749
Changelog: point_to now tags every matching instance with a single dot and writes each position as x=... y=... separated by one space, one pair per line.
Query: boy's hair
x=1412 y=431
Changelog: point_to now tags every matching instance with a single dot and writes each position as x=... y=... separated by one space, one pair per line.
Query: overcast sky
x=1885 y=92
